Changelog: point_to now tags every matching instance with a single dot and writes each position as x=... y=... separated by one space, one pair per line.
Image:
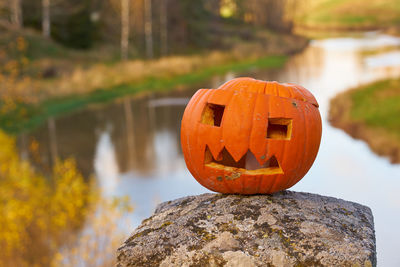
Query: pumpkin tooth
x=247 y=164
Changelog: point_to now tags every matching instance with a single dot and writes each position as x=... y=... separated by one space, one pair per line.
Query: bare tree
x=124 y=29
x=16 y=13
x=164 y=27
x=46 y=18
x=148 y=28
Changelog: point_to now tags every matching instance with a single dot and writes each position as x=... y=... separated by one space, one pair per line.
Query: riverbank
x=350 y=15
x=24 y=117
x=371 y=113
x=47 y=97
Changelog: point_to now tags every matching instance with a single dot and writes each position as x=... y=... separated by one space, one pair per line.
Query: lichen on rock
x=284 y=229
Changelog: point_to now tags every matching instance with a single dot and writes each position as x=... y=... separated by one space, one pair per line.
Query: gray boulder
x=283 y=229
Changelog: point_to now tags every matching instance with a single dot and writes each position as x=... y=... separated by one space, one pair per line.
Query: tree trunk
x=46 y=18
x=124 y=29
x=164 y=27
x=16 y=13
x=148 y=28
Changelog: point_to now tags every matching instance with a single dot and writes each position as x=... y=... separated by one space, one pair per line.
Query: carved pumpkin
x=250 y=136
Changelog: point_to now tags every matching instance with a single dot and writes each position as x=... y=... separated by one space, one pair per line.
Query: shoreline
x=26 y=117
x=380 y=140
x=356 y=15
x=316 y=32
x=105 y=83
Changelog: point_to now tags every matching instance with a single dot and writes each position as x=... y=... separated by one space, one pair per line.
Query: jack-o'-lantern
x=250 y=136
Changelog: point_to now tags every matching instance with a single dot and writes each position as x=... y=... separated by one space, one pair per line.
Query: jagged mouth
x=248 y=164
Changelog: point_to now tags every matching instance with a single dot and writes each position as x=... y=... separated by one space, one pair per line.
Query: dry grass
x=101 y=76
x=105 y=76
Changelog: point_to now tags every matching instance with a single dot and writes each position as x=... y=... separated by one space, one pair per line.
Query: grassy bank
x=371 y=113
x=27 y=116
x=350 y=14
x=35 y=85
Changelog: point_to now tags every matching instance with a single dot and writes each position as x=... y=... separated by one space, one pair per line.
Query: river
x=133 y=147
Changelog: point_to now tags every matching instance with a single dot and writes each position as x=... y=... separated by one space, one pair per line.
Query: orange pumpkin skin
x=250 y=136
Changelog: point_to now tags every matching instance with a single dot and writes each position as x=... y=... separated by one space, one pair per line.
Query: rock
x=284 y=229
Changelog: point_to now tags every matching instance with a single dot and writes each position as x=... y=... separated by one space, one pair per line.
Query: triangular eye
x=279 y=128
x=212 y=114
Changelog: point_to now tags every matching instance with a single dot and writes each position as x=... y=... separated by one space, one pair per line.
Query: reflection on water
x=133 y=144
x=347 y=168
x=105 y=164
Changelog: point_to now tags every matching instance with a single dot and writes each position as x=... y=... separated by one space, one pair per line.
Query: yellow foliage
x=36 y=215
x=22 y=45
x=99 y=241
x=15 y=85
x=57 y=220
x=41 y=218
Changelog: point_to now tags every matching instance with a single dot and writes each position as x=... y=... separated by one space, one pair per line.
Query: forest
x=150 y=28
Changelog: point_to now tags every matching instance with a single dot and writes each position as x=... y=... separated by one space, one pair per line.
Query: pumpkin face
x=250 y=136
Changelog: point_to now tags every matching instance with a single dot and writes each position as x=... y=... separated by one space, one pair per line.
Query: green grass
x=378 y=105
x=350 y=14
x=40 y=48
x=27 y=117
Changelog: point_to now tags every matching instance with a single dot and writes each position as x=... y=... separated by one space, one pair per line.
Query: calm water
x=132 y=145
